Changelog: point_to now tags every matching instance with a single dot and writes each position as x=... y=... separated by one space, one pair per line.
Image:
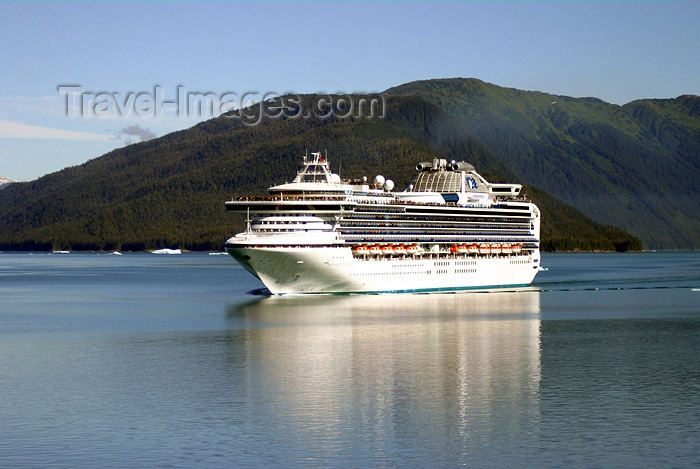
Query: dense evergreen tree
x=633 y=166
x=169 y=192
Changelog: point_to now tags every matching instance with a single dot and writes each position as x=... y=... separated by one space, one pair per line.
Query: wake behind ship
x=449 y=230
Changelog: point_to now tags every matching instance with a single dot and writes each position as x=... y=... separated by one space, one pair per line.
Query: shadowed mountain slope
x=169 y=192
x=635 y=166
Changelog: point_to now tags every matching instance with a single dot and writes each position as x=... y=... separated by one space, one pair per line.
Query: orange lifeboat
x=400 y=250
x=496 y=248
x=412 y=249
x=485 y=248
x=472 y=249
x=361 y=250
x=517 y=248
x=386 y=250
x=374 y=250
x=462 y=249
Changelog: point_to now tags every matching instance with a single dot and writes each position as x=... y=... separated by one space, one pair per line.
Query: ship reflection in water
x=344 y=375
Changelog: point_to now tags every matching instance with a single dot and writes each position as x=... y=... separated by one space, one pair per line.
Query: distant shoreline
x=185 y=251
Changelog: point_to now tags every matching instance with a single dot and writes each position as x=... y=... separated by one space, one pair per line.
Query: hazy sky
x=56 y=56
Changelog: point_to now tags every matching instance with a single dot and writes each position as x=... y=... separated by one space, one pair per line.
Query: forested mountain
x=169 y=192
x=635 y=166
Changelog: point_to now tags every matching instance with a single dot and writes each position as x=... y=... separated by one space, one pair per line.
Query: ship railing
x=409 y=238
x=383 y=199
x=384 y=251
x=286 y=198
x=501 y=198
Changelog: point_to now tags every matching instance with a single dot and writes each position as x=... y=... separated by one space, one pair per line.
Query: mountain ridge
x=169 y=191
x=604 y=159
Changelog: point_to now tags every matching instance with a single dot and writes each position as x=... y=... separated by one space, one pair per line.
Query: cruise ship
x=450 y=229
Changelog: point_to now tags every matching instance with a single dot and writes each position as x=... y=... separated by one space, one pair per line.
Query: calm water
x=165 y=361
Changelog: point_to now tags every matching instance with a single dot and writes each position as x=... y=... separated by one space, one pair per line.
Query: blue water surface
x=166 y=361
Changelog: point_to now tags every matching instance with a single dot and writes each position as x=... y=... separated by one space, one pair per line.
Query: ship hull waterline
x=335 y=270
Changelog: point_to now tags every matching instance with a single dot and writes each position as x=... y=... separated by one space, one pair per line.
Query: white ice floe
x=167 y=251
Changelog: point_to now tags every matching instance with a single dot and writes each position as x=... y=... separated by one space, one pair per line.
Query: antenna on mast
x=248 y=230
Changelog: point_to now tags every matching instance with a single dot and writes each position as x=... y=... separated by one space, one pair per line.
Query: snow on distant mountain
x=5 y=181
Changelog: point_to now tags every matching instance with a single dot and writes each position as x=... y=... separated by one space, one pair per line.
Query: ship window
x=437 y=181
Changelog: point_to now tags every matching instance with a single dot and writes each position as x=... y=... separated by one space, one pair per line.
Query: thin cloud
x=9 y=129
x=141 y=133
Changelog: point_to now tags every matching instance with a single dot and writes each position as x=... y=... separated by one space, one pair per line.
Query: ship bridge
x=316 y=169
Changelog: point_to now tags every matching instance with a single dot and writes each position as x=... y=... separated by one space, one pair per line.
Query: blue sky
x=615 y=51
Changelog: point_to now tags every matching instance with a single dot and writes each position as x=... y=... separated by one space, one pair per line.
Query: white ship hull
x=305 y=270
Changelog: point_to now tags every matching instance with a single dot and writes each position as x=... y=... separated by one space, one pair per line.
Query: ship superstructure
x=449 y=230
